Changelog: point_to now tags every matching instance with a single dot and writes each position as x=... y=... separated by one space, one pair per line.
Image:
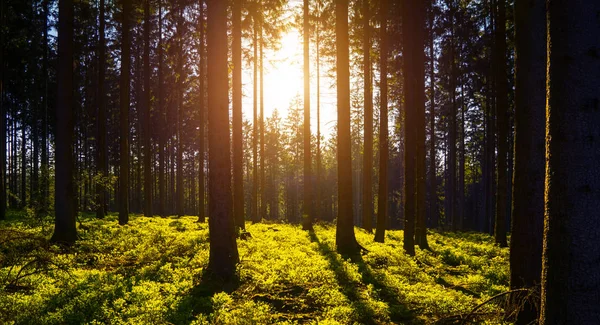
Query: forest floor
x=151 y=272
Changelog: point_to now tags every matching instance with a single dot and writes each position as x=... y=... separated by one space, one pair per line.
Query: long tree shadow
x=198 y=300
x=397 y=311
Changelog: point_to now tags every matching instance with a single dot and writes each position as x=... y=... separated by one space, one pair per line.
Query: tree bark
x=147 y=148
x=382 y=196
x=65 y=231
x=223 y=254
x=161 y=119
x=2 y=121
x=345 y=239
x=571 y=267
x=124 y=118
x=528 y=178
x=238 y=150
x=501 y=124
x=307 y=217
x=367 y=201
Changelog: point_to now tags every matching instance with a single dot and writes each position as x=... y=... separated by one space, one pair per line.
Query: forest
x=300 y=162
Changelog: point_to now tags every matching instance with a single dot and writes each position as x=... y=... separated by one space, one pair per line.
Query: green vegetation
x=151 y=271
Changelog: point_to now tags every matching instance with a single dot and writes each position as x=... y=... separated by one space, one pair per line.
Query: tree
x=179 y=23
x=124 y=118
x=307 y=207
x=501 y=123
x=345 y=240
x=65 y=231
x=147 y=148
x=223 y=255
x=201 y=127
x=528 y=178
x=382 y=200
x=410 y=116
x=433 y=197
x=570 y=264
x=238 y=162
x=418 y=35
x=161 y=114
x=2 y=121
x=102 y=167
x=255 y=216
x=368 y=120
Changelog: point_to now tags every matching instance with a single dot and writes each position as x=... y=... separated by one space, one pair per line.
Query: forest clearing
x=151 y=272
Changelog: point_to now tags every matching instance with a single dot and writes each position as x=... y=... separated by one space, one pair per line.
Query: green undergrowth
x=151 y=272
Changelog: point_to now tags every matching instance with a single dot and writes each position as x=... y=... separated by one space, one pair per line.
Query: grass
x=151 y=272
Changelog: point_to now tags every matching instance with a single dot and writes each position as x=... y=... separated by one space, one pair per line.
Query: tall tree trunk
x=146 y=100
x=307 y=212
x=238 y=150
x=451 y=213
x=571 y=267
x=501 y=123
x=3 y=121
x=263 y=205
x=202 y=112
x=319 y=200
x=433 y=197
x=179 y=102
x=460 y=214
x=367 y=201
x=411 y=118
x=65 y=229
x=419 y=87
x=528 y=178
x=161 y=119
x=102 y=167
x=223 y=255
x=345 y=239
x=124 y=118
x=255 y=216
x=23 y=188
x=382 y=196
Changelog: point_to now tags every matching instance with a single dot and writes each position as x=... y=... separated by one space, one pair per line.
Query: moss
x=151 y=271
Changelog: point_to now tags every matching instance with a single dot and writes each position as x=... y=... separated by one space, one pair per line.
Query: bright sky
x=284 y=79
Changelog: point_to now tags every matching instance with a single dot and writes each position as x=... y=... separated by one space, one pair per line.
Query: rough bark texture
x=223 y=254
x=179 y=205
x=148 y=180
x=451 y=186
x=410 y=119
x=419 y=88
x=307 y=206
x=161 y=111
x=124 y=118
x=501 y=124
x=2 y=122
x=528 y=181
x=571 y=263
x=367 y=202
x=238 y=151
x=65 y=231
x=382 y=200
x=345 y=240
x=255 y=216
x=202 y=112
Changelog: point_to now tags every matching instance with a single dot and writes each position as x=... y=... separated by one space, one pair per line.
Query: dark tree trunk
x=146 y=100
x=255 y=216
x=382 y=196
x=307 y=217
x=102 y=167
x=124 y=118
x=345 y=240
x=2 y=121
x=528 y=179
x=202 y=112
x=223 y=256
x=451 y=213
x=238 y=150
x=161 y=121
x=571 y=267
x=410 y=118
x=501 y=124
x=418 y=64
x=65 y=230
x=179 y=102
x=367 y=201
x=433 y=197
x=263 y=205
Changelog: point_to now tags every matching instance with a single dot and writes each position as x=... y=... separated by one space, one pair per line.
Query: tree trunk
x=3 y=121
x=451 y=213
x=238 y=150
x=345 y=240
x=161 y=120
x=319 y=200
x=263 y=205
x=223 y=256
x=410 y=119
x=382 y=196
x=146 y=100
x=571 y=268
x=367 y=201
x=419 y=88
x=124 y=118
x=528 y=178
x=255 y=216
x=433 y=197
x=501 y=124
x=307 y=217
x=102 y=167
x=65 y=231
x=201 y=177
